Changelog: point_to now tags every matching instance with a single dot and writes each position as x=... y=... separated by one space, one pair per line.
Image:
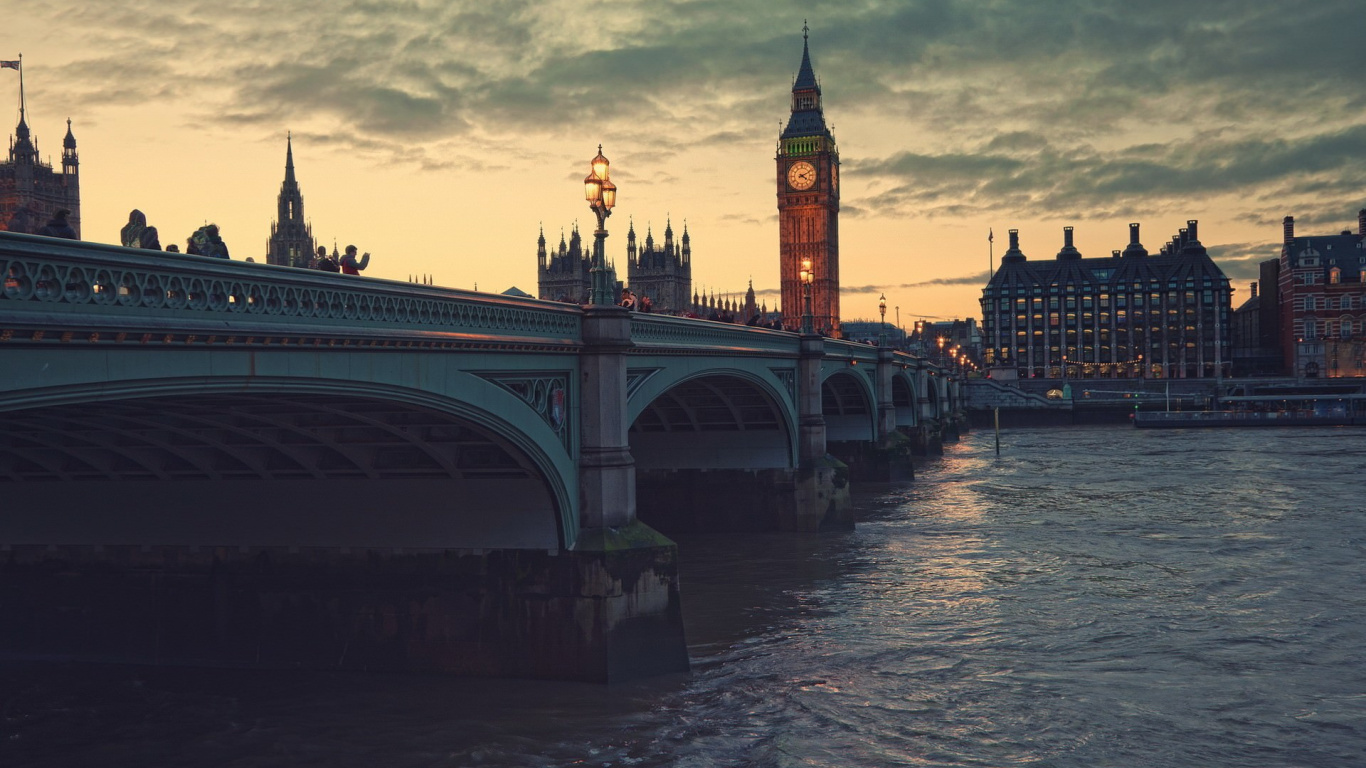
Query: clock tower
x=809 y=205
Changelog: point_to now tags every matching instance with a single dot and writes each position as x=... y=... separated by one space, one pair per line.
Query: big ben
x=809 y=205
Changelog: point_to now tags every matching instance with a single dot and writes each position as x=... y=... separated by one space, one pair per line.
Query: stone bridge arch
x=904 y=399
x=849 y=405
x=693 y=420
x=285 y=462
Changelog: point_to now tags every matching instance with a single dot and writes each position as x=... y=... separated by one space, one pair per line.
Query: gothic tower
x=291 y=237
x=663 y=275
x=809 y=205
x=31 y=191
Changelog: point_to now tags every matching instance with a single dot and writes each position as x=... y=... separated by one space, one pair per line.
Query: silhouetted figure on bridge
x=58 y=227
x=207 y=242
x=350 y=265
x=324 y=262
x=24 y=220
x=131 y=234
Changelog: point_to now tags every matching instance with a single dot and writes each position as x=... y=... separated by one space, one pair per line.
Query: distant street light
x=602 y=198
x=808 y=277
x=882 y=328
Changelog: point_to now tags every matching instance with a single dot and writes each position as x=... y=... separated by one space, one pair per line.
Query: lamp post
x=602 y=197
x=808 y=277
x=882 y=327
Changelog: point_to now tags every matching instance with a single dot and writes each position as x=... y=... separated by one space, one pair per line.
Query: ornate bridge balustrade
x=196 y=293
x=242 y=428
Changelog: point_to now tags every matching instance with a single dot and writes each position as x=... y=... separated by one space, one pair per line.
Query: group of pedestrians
x=205 y=241
x=348 y=264
x=636 y=303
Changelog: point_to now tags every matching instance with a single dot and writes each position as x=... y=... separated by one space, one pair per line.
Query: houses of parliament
x=807 y=166
x=32 y=191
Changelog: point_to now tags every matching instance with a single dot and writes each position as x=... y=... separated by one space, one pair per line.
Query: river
x=1091 y=597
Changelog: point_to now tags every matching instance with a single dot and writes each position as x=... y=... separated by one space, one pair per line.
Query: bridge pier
x=888 y=458
x=626 y=609
x=821 y=485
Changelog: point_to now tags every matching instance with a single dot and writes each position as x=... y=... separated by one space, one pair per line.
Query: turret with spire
x=31 y=191
x=291 y=241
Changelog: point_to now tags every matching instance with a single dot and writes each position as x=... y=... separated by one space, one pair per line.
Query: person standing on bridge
x=349 y=264
x=58 y=226
x=324 y=262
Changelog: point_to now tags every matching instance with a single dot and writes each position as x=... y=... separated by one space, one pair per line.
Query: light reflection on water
x=1090 y=597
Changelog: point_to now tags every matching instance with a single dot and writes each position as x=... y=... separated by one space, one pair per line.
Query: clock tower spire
x=808 y=204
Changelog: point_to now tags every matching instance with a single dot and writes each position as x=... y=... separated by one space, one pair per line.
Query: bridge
x=216 y=462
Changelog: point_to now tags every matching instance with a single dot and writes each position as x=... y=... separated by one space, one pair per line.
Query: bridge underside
x=266 y=470
x=712 y=422
x=847 y=410
x=716 y=453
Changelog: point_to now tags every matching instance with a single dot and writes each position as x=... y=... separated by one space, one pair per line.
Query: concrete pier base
x=821 y=501
x=872 y=463
x=928 y=439
x=737 y=500
x=608 y=611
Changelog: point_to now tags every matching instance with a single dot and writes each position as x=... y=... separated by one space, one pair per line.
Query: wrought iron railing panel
x=44 y=275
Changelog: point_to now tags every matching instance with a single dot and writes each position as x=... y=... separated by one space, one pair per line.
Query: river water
x=1091 y=597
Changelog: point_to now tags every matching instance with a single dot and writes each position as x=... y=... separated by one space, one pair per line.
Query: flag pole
x=21 y=87
x=991 y=254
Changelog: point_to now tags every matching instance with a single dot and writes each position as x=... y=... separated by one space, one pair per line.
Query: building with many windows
x=1321 y=301
x=1129 y=315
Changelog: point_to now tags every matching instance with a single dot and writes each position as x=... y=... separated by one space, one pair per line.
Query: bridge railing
x=850 y=350
x=95 y=284
x=682 y=333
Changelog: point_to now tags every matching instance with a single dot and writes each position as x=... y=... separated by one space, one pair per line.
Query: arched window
x=1334 y=276
x=1346 y=328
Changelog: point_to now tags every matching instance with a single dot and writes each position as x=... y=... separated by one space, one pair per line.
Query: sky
x=442 y=135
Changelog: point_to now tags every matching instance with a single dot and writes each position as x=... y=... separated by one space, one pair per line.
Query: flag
x=990 y=237
x=9 y=65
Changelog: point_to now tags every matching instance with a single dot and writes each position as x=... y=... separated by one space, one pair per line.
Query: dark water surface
x=1092 y=597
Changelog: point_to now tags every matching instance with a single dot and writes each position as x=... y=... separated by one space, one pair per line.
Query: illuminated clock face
x=801 y=175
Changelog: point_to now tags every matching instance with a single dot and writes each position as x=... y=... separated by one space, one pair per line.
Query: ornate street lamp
x=882 y=327
x=602 y=198
x=808 y=277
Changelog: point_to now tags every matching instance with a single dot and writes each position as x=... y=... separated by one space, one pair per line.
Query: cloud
x=947 y=109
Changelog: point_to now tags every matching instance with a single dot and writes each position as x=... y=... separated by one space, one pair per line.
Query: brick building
x=1321 y=302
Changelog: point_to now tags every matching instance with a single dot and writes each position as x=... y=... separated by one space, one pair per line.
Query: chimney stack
x=1254 y=289
x=1135 y=248
x=1014 y=239
x=1190 y=227
x=1067 y=236
x=1361 y=222
x=1289 y=225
